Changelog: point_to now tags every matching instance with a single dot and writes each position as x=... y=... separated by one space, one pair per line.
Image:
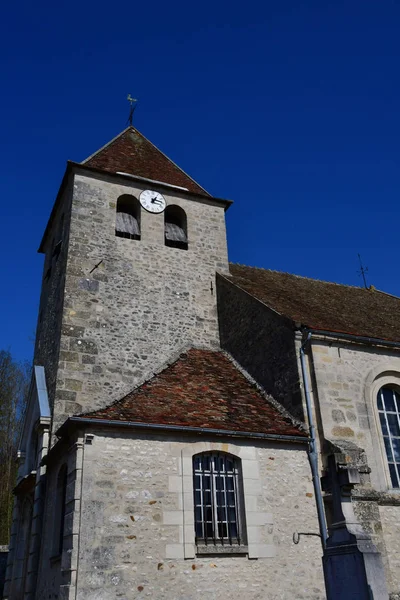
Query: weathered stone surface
x=338 y=416
x=113 y=311
x=130 y=522
x=141 y=305
x=361 y=371
x=262 y=343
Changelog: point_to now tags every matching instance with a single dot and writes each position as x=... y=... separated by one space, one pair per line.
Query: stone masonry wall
x=390 y=519
x=48 y=328
x=345 y=376
x=131 y=542
x=144 y=302
x=262 y=342
x=348 y=379
x=57 y=572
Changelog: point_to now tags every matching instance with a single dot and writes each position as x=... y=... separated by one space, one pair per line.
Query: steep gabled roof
x=202 y=389
x=130 y=152
x=322 y=305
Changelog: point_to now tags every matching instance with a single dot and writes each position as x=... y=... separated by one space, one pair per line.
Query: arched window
x=175 y=227
x=59 y=516
x=389 y=409
x=218 y=500
x=127 y=220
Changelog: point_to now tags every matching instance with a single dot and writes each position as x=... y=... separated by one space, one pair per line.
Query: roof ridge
x=279 y=407
x=133 y=129
x=385 y=293
x=154 y=373
x=354 y=287
x=170 y=160
x=203 y=388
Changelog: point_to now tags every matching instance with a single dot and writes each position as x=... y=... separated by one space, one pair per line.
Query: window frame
x=384 y=426
x=213 y=481
x=180 y=521
x=385 y=374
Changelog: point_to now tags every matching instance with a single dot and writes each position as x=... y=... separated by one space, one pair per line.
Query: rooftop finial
x=132 y=102
x=362 y=272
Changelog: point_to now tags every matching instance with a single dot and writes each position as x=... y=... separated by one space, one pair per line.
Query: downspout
x=312 y=448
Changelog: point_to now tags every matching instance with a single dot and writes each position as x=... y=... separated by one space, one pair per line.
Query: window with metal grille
x=389 y=409
x=218 y=500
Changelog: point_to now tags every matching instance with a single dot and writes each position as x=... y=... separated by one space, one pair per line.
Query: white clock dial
x=152 y=201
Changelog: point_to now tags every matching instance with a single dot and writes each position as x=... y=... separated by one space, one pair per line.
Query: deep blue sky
x=290 y=108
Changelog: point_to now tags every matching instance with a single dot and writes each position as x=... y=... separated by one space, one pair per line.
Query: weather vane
x=132 y=102
x=362 y=272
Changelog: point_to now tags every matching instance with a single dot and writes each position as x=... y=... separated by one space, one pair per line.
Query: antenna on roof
x=362 y=272
x=132 y=102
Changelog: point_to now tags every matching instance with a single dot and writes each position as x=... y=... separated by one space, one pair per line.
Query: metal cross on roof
x=132 y=102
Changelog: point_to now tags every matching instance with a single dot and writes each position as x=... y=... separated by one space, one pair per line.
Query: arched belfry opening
x=175 y=227
x=127 y=219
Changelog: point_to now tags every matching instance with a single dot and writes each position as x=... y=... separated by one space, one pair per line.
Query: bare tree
x=14 y=386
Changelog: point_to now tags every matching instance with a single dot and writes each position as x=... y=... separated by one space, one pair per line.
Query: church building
x=195 y=428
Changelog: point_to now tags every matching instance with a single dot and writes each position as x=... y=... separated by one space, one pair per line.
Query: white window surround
x=389 y=407
x=385 y=375
x=182 y=486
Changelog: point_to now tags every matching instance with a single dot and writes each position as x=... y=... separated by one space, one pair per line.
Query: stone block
x=89 y=285
x=250 y=469
x=173 y=517
x=262 y=551
x=66 y=395
x=73 y=384
x=69 y=356
x=72 y=330
x=174 y=551
x=83 y=346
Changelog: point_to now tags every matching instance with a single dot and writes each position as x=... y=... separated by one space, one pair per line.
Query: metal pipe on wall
x=312 y=449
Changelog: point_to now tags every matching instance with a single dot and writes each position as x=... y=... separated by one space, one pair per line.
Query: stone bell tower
x=132 y=247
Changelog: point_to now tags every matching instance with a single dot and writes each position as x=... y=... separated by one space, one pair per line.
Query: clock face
x=152 y=201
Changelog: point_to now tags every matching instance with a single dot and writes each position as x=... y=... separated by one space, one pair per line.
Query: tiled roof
x=130 y=152
x=323 y=305
x=203 y=389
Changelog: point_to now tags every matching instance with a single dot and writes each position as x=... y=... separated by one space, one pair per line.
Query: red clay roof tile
x=323 y=305
x=130 y=152
x=203 y=388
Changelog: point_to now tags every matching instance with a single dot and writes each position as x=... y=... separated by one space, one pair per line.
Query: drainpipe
x=312 y=451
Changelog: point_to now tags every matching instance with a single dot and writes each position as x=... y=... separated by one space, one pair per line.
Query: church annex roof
x=130 y=152
x=322 y=305
x=201 y=389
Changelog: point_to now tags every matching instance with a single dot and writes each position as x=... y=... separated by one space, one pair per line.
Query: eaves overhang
x=73 y=167
x=75 y=422
x=163 y=185
x=317 y=332
x=348 y=337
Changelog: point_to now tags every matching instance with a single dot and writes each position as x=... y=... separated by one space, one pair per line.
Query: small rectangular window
x=218 y=501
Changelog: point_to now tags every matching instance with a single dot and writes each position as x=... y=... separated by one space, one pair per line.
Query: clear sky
x=290 y=108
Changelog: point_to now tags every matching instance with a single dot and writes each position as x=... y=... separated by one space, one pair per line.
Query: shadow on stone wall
x=3 y=566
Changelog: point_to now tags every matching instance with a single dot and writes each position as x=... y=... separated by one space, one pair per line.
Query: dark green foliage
x=14 y=385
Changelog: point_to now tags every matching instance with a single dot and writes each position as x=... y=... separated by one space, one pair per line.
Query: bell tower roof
x=130 y=152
